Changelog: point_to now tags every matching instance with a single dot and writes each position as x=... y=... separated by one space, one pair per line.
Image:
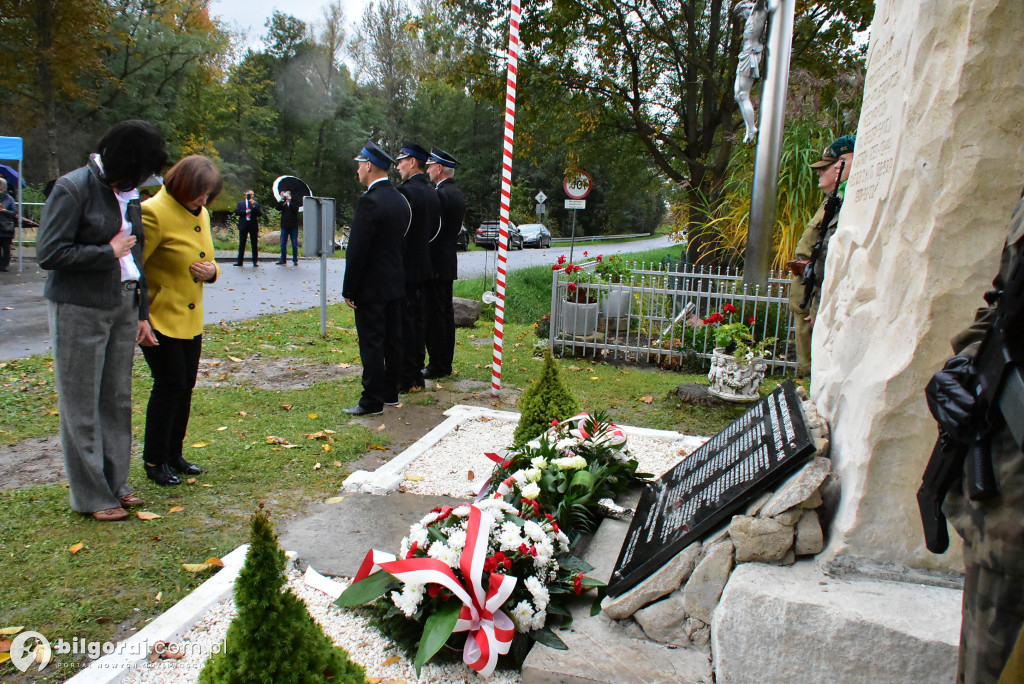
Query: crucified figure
x=755 y=15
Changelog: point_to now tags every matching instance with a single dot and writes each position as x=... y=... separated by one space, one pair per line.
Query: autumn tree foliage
x=546 y=400
x=273 y=639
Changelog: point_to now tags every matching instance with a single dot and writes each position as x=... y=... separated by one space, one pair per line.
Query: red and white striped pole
x=506 y=194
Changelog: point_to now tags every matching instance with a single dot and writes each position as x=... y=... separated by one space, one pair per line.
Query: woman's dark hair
x=131 y=151
x=191 y=177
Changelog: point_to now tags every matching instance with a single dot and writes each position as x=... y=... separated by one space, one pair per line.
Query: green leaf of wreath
x=436 y=630
x=550 y=639
x=366 y=590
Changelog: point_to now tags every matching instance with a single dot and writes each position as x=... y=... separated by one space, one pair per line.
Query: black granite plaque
x=745 y=459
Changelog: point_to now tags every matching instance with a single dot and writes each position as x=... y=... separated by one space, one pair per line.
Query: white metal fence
x=656 y=315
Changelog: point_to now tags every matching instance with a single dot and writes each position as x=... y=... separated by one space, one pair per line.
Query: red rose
x=600 y=256
x=729 y=309
x=572 y=287
x=555 y=267
x=585 y=252
x=751 y=320
x=561 y=259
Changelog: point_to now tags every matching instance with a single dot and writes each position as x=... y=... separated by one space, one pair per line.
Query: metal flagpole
x=506 y=194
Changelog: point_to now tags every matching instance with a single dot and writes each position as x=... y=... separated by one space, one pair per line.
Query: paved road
x=247 y=292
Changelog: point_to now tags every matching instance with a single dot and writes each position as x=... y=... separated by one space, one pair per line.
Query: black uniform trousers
x=439 y=330
x=174 y=364
x=413 y=350
x=379 y=326
x=253 y=235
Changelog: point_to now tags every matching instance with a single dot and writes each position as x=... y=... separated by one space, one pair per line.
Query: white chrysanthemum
x=509 y=540
x=444 y=553
x=531 y=491
x=533 y=444
x=539 y=618
x=461 y=511
x=545 y=550
x=539 y=592
x=522 y=615
x=418 y=533
x=539 y=462
x=534 y=531
x=563 y=541
x=403 y=548
x=408 y=601
x=429 y=518
x=533 y=474
x=519 y=477
x=457 y=539
x=566 y=443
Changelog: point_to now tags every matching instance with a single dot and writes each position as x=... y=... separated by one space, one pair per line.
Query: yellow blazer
x=174 y=240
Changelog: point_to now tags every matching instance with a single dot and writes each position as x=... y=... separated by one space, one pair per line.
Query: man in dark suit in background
x=374 y=283
x=425 y=222
x=440 y=332
x=249 y=212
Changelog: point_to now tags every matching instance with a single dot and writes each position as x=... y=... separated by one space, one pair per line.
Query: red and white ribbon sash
x=490 y=631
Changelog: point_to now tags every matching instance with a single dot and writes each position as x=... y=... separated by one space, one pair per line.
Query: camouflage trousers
x=993 y=611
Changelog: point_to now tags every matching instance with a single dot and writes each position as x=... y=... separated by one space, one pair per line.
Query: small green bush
x=273 y=639
x=547 y=399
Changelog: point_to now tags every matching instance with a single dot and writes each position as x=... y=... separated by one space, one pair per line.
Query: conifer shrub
x=273 y=639
x=547 y=399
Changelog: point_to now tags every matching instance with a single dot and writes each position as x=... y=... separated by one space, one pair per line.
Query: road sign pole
x=572 y=240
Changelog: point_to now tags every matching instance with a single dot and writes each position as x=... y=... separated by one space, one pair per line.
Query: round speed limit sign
x=578 y=186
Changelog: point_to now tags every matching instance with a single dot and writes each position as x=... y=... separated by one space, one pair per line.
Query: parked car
x=462 y=239
x=535 y=235
x=487 y=235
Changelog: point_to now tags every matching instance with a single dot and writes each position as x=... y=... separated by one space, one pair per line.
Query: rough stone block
x=759 y=539
x=600 y=652
x=799 y=487
x=789 y=518
x=811 y=417
x=757 y=504
x=467 y=311
x=702 y=590
x=663 y=621
x=821 y=446
x=809 y=537
x=814 y=501
x=797 y=625
x=664 y=581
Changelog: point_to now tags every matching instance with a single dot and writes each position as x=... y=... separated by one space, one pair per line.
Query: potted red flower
x=579 y=310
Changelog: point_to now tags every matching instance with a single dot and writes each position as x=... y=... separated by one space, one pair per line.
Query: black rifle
x=998 y=383
x=833 y=203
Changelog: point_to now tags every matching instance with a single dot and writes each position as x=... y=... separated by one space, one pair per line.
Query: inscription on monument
x=748 y=457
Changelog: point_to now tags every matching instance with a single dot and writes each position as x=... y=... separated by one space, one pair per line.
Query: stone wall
x=938 y=168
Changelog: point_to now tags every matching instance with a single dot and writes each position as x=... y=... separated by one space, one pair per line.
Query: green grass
x=113 y=582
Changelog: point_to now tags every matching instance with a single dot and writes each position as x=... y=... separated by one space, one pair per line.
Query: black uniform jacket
x=373 y=262
x=442 y=245
x=426 y=218
x=255 y=210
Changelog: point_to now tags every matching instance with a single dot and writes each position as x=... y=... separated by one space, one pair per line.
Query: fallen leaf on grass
x=200 y=445
x=176 y=509
x=376 y=446
x=649 y=399
x=344 y=365
x=574 y=368
x=221 y=428
x=380 y=428
x=415 y=478
x=4 y=657
x=334 y=500
x=208 y=486
x=287 y=407
x=317 y=466
x=5 y=645
x=235 y=359
x=594 y=377
x=313 y=416
x=75 y=548
x=190 y=480
x=322 y=434
x=337 y=464
x=202 y=567
x=159 y=595
x=326 y=447
x=146 y=515
x=243 y=414
x=273 y=439
x=10 y=630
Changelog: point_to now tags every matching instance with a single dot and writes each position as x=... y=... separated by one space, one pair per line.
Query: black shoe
x=237 y=263
x=429 y=374
x=161 y=474
x=255 y=264
x=359 y=410
x=180 y=465
x=295 y=263
x=280 y=263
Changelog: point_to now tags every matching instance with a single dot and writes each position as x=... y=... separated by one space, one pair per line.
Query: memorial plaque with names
x=765 y=444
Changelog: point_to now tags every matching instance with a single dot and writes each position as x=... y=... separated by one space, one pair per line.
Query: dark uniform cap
x=837 y=149
x=411 y=149
x=439 y=156
x=376 y=156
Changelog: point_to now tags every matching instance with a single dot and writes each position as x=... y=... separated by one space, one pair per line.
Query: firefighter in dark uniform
x=426 y=219
x=440 y=330
x=375 y=279
x=992 y=529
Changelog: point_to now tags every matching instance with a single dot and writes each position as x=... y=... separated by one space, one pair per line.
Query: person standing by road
x=374 y=284
x=178 y=260
x=91 y=240
x=439 y=333
x=426 y=220
x=828 y=169
x=249 y=212
x=289 y=209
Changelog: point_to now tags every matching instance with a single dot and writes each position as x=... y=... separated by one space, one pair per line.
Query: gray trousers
x=93 y=350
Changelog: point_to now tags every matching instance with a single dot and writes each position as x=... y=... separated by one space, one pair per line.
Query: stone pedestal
x=938 y=168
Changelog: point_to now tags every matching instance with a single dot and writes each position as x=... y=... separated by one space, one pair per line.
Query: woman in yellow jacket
x=178 y=259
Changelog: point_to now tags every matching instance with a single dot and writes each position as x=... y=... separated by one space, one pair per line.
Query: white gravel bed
x=364 y=644
x=447 y=466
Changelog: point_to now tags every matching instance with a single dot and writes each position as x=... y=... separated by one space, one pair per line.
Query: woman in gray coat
x=90 y=240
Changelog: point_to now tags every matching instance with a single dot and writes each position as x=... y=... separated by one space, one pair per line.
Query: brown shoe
x=130 y=501
x=111 y=515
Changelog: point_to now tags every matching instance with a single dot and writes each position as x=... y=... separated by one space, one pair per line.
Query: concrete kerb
x=168 y=627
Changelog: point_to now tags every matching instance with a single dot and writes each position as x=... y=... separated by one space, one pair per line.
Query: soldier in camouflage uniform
x=803 y=319
x=993 y=530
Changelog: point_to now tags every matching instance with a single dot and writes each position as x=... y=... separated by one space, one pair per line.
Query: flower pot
x=736 y=380
x=578 y=320
x=615 y=303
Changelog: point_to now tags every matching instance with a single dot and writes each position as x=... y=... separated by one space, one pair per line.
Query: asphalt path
x=246 y=292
